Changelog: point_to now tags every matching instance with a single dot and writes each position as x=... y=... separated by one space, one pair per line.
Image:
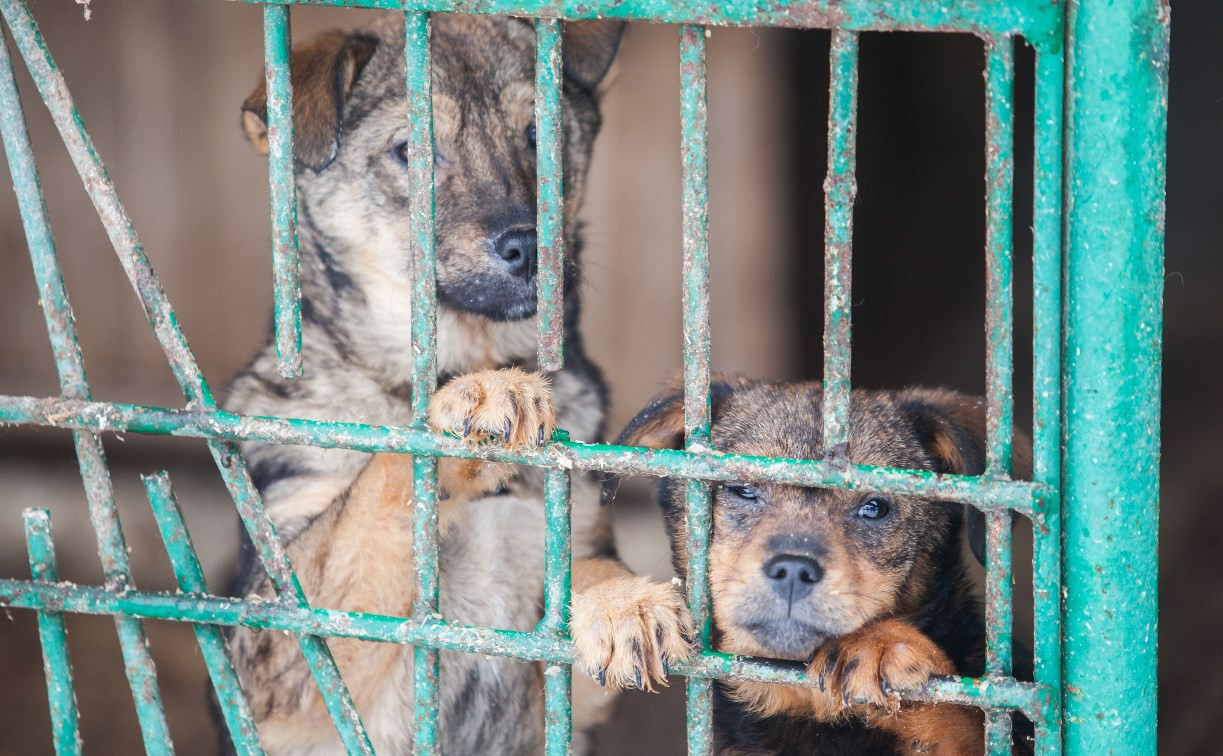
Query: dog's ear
x=589 y=48
x=322 y=73
x=951 y=426
x=661 y=424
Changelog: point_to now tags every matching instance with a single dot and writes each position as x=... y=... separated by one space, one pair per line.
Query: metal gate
x=1100 y=118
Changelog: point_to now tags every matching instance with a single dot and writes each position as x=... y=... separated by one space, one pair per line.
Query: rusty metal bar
x=999 y=366
x=190 y=575
x=54 y=91
x=70 y=369
x=840 y=189
x=694 y=151
x=1046 y=389
x=985 y=494
x=550 y=199
x=61 y=697
x=283 y=190
x=274 y=615
x=1039 y=21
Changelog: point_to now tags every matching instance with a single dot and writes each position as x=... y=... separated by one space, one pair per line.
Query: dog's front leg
x=626 y=628
x=858 y=673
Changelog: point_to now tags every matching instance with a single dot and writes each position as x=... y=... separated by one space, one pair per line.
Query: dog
x=345 y=516
x=871 y=592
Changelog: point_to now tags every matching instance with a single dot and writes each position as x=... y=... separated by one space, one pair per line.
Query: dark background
x=159 y=84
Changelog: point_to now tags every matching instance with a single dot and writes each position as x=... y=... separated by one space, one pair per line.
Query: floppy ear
x=661 y=424
x=951 y=426
x=589 y=48
x=322 y=73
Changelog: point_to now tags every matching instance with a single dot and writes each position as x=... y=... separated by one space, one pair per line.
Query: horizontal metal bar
x=1040 y=21
x=1003 y=693
x=984 y=493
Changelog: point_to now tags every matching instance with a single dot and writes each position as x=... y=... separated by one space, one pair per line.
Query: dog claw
x=845 y=698
x=637 y=675
x=541 y=435
x=819 y=682
x=601 y=677
x=666 y=667
x=467 y=428
x=884 y=687
x=505 y=435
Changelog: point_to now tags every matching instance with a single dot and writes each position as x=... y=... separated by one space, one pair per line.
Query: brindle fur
x=895 y=602
x=346 y=520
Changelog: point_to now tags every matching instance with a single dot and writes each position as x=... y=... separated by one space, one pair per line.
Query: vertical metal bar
x=550 y=210
x=70 y=368
x=694 y=151
x=123 y=237
x=65 y=723
x=283 y=184
x=419 y=82
x=190 y=577
x=558 y=559
x=1116 y=118
x=840 y=190
x=999 y=314
x=1046 y=388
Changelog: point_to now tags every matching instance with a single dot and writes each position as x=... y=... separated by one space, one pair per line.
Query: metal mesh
x=1001 y=24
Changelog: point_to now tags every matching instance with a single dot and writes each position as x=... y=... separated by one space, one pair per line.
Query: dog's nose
x=515 y=249
x=792 y=576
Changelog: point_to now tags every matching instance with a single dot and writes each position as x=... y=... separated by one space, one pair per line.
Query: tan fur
x=509 y=405
x=626 y=628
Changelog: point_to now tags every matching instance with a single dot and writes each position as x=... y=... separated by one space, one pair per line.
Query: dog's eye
x=741 y=490
x=532 y=135
x=399 y=151
x=875 y=508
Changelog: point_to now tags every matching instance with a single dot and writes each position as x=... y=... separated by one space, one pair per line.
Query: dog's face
x=350 y=113
x=791 y=567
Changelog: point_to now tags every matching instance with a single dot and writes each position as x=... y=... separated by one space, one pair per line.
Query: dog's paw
x=510 y=406
x=626 y=630
x=870 y=664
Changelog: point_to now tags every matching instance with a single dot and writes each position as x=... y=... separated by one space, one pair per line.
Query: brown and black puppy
x=344 y=516
x=871 y=591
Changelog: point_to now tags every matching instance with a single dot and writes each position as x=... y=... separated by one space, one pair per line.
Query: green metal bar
x=999 y=369
x=54 y=91
x=1116 y=119
x=985 y=494
x=283 y=190
x=1038 y=21
x=274 y=615
x=419 y=82
x=550 y=208
x=1046 y=383
x=840 y=189
x=70 y=368
x=694 y=152
x=558 y=554
x=61 y=697
x=190 y=575
x=558 y=719
x=999 y=254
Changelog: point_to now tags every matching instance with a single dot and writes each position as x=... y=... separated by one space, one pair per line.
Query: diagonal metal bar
x=550 y=196
x=54 y=91
x=70 y=368
x=65 y=721
x=283 y=190
x=190 y=575
x=840 y=190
